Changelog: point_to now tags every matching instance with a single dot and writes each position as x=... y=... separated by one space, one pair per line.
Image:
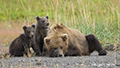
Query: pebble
x=36 y=60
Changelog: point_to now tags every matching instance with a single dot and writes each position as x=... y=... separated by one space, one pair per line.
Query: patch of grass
x=99 y=17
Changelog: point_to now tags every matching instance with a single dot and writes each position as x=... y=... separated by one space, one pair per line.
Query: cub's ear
x=47 y=41
x=64 y=37
x=37 y=17
x=47 y=17
x=33 y=25
x=24 y=27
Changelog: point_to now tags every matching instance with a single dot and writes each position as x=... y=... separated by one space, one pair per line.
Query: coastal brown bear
x=21 y=45
x=63 y=41
x=41 y=31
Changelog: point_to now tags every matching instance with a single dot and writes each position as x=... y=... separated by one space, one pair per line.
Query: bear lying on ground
x=21 y=45
x=41 y=31
x=63 y=41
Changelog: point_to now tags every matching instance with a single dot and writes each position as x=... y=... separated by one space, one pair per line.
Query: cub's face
x=42 y=22
x=57 y=45
x=29 y=31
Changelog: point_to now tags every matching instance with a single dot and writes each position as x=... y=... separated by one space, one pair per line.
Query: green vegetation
x=99 y=17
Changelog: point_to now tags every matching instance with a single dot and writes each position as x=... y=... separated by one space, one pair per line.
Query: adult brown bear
x=63 y=41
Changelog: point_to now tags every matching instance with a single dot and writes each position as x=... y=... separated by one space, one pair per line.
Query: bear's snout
x=60 y=55
x=47 y=24
x=32 y=36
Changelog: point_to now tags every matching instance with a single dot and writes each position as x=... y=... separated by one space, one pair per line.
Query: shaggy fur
x=21 y=45
x=41 y=31
x=94 y=44
x=63 y=41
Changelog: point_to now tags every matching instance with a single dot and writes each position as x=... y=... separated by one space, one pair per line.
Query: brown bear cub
x=41 y=31
x=63 y=41
x=21 y=45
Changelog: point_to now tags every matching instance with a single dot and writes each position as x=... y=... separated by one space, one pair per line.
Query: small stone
x=68 y=63
x=36 y=60
x=22 y=60
x=38 y=63
x=77 y=64
x=44 y=65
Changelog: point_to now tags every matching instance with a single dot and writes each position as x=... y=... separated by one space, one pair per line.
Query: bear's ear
x=37 y=17
x=47 y=17
x=33 y=25
x=64 y=37
x=46 y=40
x=24 y=27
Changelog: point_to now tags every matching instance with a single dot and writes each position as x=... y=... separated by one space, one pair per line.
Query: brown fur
x=21 y=45
x=77 y=44
x=74 y=44
x=41 y=31
x=94 y=44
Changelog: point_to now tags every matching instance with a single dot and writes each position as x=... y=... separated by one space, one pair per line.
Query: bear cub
x=41 y=31
x=21 y=45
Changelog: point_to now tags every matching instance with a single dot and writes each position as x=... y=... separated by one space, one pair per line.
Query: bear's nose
x=60 y=55
x=47 y=24
x=32 y=36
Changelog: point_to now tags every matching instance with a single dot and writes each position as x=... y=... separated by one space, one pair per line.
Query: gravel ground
x=92 y=61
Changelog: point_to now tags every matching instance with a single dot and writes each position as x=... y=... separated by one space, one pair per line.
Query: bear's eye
x=43 y=21
x=55 y=48
x=28 y=31
x=61 y=47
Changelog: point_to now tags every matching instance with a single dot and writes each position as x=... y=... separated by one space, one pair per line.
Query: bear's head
x=29 y=31
x=57 y=45
x=42 y=22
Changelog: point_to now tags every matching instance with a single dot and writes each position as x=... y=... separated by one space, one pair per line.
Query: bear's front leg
x=73 y=52
x=36 y=49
